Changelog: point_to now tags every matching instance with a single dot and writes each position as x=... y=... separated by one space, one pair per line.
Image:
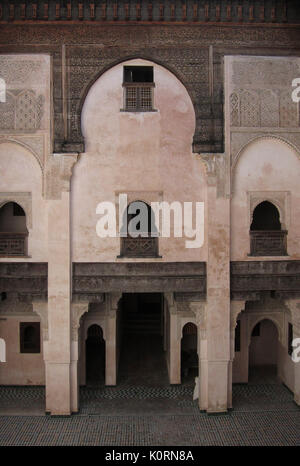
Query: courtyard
x=264 y=415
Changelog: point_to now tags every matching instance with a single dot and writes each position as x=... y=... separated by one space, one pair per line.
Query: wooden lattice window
x=143 y=242
x=138 y=88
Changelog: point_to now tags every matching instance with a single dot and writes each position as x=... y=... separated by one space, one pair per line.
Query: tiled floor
x=264 y=414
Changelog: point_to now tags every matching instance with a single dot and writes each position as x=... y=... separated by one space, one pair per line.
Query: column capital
x=77 y=311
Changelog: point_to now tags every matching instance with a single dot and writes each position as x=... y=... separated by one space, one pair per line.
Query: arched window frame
x=12 y=243
x=139 y=247
x=268 y=242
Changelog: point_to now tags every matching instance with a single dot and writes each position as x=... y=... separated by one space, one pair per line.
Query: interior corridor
x=142 y=357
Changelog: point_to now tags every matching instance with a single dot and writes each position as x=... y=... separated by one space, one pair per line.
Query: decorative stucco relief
x=265 y=108
x=256 y=72
x=216 y=172
x=17 y=70
x=58 y=174
x=22 y=111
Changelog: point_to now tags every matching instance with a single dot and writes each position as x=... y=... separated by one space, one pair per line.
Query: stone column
x=78 y=309
x=112 y=300
x=58 y=376
x=200 y=314
x=218 y=281
x=294 y=307
x=175 y=342
x=41 y=309
x=235 y=308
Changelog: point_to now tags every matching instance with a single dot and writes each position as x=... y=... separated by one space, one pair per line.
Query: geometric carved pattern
x=269 y=114
x=288 y=110
x=263 y=108
x=250 y=108
x=28 y=111
x=22 y=112
x=7 y=113
x=139 y=247
x=235 y=109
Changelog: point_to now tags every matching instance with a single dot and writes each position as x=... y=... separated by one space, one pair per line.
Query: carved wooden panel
x=268 y=243
x=13 y=244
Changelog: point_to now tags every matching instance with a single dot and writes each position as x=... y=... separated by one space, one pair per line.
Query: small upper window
x=138 y=88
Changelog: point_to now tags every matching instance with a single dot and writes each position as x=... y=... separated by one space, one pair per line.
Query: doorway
x=95 y=356
x=142 y=359
x=263 y=353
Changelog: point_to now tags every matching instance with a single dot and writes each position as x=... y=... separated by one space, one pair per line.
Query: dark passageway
x=142 y=359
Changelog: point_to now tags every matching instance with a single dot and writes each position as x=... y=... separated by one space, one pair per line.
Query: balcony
x=139 y=247
x=268 y=243
x=13 y=244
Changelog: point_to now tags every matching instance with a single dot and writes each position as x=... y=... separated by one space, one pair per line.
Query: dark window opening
x=138 y=88
x=290 y=339
x=139 y=235
x=138 y=74
x=13 y=230
x=30 y=341
x=256 y=330
x=266 y=236
x=18 y=211
x=265 y=217
x=237 y=339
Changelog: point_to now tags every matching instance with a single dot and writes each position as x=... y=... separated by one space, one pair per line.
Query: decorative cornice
x=114 y=11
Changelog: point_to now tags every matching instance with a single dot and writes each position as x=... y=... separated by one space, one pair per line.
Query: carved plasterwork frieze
x=23 y=199
x=12 y=307
x=17 y=70
x=112 y=303
x=22 y=111
x=216 y=172
x=264 y=108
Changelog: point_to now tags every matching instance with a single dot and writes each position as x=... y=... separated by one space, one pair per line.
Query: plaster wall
x=20 y=368
x=271 y=166
x=21 y=173
x=145 y=154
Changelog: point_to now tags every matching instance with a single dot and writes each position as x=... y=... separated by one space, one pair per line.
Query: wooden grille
x=13 y=244
x=268 y=243
x=138 y=97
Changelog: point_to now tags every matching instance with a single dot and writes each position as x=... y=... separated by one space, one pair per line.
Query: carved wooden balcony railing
x=13 y=244
x=268 y=243
x=139 y=247
x=280 y=11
